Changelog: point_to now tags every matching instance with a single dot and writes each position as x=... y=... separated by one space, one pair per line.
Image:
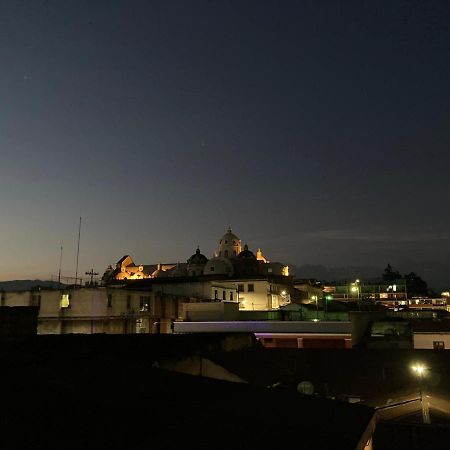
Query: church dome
x=229 y=238
x=229 y=245
x=246 y=253
x=197 y=258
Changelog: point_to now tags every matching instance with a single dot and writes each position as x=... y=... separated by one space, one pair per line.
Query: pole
x=78 y=252
x=59 y=271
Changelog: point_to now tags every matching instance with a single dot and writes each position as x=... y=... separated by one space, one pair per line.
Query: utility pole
x=91 y=273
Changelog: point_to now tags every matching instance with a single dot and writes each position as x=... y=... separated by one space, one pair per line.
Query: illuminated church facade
x=233 y=274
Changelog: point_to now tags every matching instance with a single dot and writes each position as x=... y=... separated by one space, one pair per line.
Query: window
x=212 y=269
x=251 y=287
x=144 y=302
x=128 y=301
x=215 y=294
x=226 y=253
x=240 y=288
x=439 y=345
x=65 y=301
x=231 y=296
x=109 y=305
x=224 y=295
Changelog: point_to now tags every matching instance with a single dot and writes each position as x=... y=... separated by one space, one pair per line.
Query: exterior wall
x=198 y=312
x=16 y=298
x=265 y=295
x=425 y=340
x=100 y=310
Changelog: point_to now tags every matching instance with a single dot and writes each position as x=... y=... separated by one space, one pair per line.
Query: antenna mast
x=78 y=252
x=59 y=271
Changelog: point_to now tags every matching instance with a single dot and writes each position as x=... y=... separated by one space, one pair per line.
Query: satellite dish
x=305 y=387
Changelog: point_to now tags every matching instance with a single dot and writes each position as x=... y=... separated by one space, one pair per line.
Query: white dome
x=229 y=245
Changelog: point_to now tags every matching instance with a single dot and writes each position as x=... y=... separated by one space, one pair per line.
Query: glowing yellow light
x=419 y=369
x=354 y=289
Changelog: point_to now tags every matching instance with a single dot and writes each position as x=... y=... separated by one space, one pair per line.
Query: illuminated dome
x=229 y=245
x=218 y=266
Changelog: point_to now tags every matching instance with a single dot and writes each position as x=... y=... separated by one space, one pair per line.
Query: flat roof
x=264 y=326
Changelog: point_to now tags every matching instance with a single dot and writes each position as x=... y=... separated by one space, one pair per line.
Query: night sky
x=319 y=130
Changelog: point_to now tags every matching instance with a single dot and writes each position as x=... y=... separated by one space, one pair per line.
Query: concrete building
x=430 y=334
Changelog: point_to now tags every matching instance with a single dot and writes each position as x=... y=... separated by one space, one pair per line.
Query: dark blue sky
x=319 y=130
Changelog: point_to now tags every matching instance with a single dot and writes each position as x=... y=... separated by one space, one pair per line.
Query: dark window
x=226 y=242
x=224 y=295
x=215 y=294
x=109 y=300
x=439 y=345
x=231 y=296
x=240 y=288
x=212 y=269
x=128 y=301
x=226 y=253
x=251 y=288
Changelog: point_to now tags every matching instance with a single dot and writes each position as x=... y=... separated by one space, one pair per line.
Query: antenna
x=59 y=271
x=91 y=273
x=78 y=252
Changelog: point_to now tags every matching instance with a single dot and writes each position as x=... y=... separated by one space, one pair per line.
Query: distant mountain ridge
x=26 y=285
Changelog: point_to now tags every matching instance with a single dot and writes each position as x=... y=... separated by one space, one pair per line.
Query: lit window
x=438 y=345
x=65 y=301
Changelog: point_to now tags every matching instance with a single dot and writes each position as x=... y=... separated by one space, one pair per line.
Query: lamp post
x=314 y=297
x=420 y=371
x=356 y=287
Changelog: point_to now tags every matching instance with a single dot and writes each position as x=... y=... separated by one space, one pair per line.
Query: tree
x=415 y=286
x=390 y=275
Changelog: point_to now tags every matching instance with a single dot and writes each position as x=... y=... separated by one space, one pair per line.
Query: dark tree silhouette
x=390 y=275
x=415 y=285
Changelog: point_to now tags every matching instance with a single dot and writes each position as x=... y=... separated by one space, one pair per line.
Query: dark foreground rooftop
x=86 y=392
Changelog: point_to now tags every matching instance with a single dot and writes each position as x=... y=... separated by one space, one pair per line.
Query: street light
x=314 y=297
x=420 y=371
